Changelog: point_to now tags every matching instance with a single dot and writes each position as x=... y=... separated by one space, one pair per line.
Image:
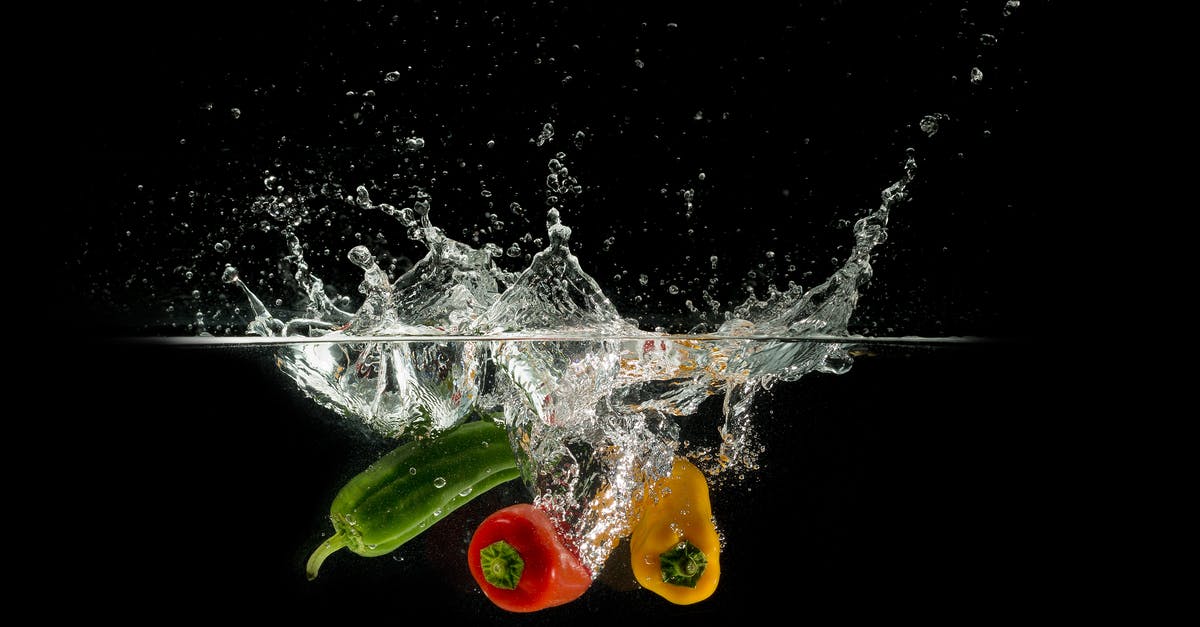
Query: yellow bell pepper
x=674 y=547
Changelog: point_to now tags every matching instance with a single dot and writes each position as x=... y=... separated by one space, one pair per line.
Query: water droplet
x=195 y=293
x=229 y=275
x=560 y=234
x=465 y=492
x=1010 y=6
x=701 y=176
x=643 y=279
x=713 y=261
x=437 y=512
x=638 y=63
x=361 y=257
x=372 y=547
x=439 y=482
x=221 y=246
x=770 y=254
x=546 y=135
x=485 y=444
x=929 y=124
x=976 y=76
x=514 y=250
x=391 y=77
x=412 y=471
x=235 y=113
x=414 y=143
x=491 y=143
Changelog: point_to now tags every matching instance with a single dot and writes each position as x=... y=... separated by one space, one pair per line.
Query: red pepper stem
x=324 y=550
x=501 y=564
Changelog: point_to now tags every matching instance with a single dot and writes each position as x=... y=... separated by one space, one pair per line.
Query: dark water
x=902 y=485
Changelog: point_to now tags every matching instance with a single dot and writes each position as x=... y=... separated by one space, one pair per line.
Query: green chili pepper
x=414 y=486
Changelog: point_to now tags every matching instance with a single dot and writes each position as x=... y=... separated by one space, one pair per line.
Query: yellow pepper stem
x=683 y=564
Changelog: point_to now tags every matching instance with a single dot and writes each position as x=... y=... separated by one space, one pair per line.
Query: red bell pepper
x=522 y=564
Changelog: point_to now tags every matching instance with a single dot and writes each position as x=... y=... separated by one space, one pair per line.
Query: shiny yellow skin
x=676 y=508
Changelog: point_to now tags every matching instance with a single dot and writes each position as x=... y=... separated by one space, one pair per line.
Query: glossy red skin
x=553 y=574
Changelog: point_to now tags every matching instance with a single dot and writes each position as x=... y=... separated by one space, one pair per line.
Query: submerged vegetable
x=522 y=564
x=674 y=547
x=414 y=486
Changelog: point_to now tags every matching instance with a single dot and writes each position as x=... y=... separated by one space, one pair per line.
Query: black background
x=901 y=487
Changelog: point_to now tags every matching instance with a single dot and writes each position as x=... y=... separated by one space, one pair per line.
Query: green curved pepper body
x=416 y=484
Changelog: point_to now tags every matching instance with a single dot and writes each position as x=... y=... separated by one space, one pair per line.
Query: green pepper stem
x=324 y=550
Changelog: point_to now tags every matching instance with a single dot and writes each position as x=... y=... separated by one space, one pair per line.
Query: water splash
x=591 y=420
